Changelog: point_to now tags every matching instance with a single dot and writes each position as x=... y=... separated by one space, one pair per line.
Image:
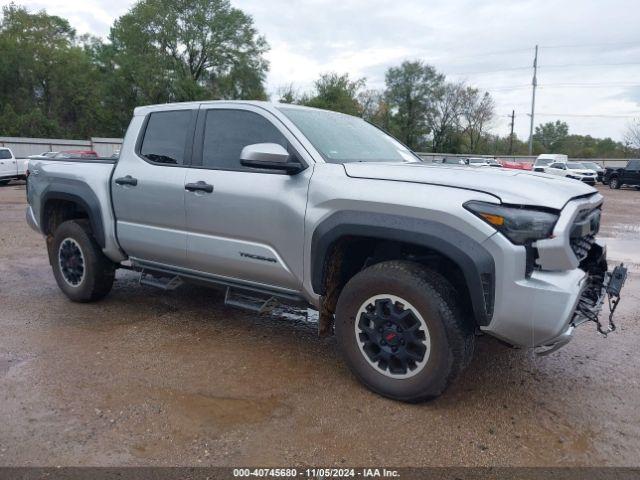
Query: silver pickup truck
x=405 y=261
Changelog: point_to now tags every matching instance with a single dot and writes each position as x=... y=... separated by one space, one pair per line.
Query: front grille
x=583 y=232
x=582 y=245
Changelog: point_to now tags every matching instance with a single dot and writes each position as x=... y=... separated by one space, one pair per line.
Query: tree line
x=56 y=83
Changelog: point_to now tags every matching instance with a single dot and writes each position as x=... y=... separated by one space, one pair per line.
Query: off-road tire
x=451 y=334
x=99 y=271
x=4 y=182
x=614 y=183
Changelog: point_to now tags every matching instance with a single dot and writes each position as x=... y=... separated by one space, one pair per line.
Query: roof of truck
x=190 y=105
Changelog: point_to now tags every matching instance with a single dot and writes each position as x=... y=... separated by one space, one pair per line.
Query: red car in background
x=77 y=154
x=517 y=165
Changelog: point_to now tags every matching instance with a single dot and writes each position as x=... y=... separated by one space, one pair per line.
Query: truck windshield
x=342 y=138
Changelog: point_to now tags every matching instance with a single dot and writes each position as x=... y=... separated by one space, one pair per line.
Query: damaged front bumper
x=601 y=285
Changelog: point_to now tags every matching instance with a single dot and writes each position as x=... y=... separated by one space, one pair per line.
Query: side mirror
x=269 y=156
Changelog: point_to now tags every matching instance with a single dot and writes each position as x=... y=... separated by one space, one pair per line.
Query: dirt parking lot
x=147 y=377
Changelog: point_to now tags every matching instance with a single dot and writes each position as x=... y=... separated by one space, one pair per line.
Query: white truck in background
x=546 y=159
x=11 y=168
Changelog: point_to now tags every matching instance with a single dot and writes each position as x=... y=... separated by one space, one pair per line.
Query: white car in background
x=11 y=168
x=44 y=155
x=477 y=162
x=596 y=167
x=543 y=161
x=574 y=170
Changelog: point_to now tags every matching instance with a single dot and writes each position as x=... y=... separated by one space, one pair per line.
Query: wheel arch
x=58 y=198
x=470 y=258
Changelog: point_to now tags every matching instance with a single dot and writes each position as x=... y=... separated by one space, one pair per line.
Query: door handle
x=199 y=187
x=128 y=180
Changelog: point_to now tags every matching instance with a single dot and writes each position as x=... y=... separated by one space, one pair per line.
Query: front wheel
x=80 y=268
x=402 y=331
x=614 y=183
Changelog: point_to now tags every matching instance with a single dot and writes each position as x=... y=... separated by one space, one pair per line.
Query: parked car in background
x=574 y=170
x=493 y=162
x=596 y=167
x=76 y=154
x=516 y=165
x=476 y=162
x=554 y=157
x=449 y=161
x=546 y=159
x=616 y=177
x=44 y=155
x=11 y=168
x=540 y=165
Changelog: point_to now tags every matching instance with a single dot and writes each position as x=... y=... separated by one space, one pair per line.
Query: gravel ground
x=146 y=377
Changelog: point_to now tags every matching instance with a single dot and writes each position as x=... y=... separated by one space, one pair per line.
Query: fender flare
x=475 y=262
x=81 y=194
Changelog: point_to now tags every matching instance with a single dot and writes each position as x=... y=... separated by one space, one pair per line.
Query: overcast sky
x=589 y=50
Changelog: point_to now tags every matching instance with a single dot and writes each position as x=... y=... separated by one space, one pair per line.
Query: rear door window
x=4 y=154
x=165 y=137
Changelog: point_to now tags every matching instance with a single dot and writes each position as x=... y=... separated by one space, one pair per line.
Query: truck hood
x=516 y=187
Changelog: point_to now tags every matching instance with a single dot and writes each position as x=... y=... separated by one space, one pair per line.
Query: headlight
x=520 y=225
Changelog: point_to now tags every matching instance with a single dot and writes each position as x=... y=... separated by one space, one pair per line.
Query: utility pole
x=513 y=116
x=534 y=83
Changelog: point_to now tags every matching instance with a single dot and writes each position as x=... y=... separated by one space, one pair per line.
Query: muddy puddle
x=620 y=229
x=625 y=250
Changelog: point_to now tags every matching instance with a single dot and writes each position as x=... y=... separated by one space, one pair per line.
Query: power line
x=490 y=54
x=543 y=47
x=590 y=85
x=560 y=85
x=588 y=65
x=587 y=115
x=590 y=45
x=493 y=71
x=565 y=65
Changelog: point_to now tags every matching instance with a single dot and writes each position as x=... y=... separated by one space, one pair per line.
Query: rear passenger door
x=148 y=188
x=250 y=226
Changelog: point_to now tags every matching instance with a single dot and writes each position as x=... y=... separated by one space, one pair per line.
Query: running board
x=249 y=301
x=163 y=283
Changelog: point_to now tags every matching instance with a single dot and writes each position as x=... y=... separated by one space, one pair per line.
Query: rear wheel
x=614 y=183
x=402 y=332
x=4 y=182
x=80 y=268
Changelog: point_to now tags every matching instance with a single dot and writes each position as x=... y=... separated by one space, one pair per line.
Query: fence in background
x=105 y=147
x=607 y=162
x=24 y=147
